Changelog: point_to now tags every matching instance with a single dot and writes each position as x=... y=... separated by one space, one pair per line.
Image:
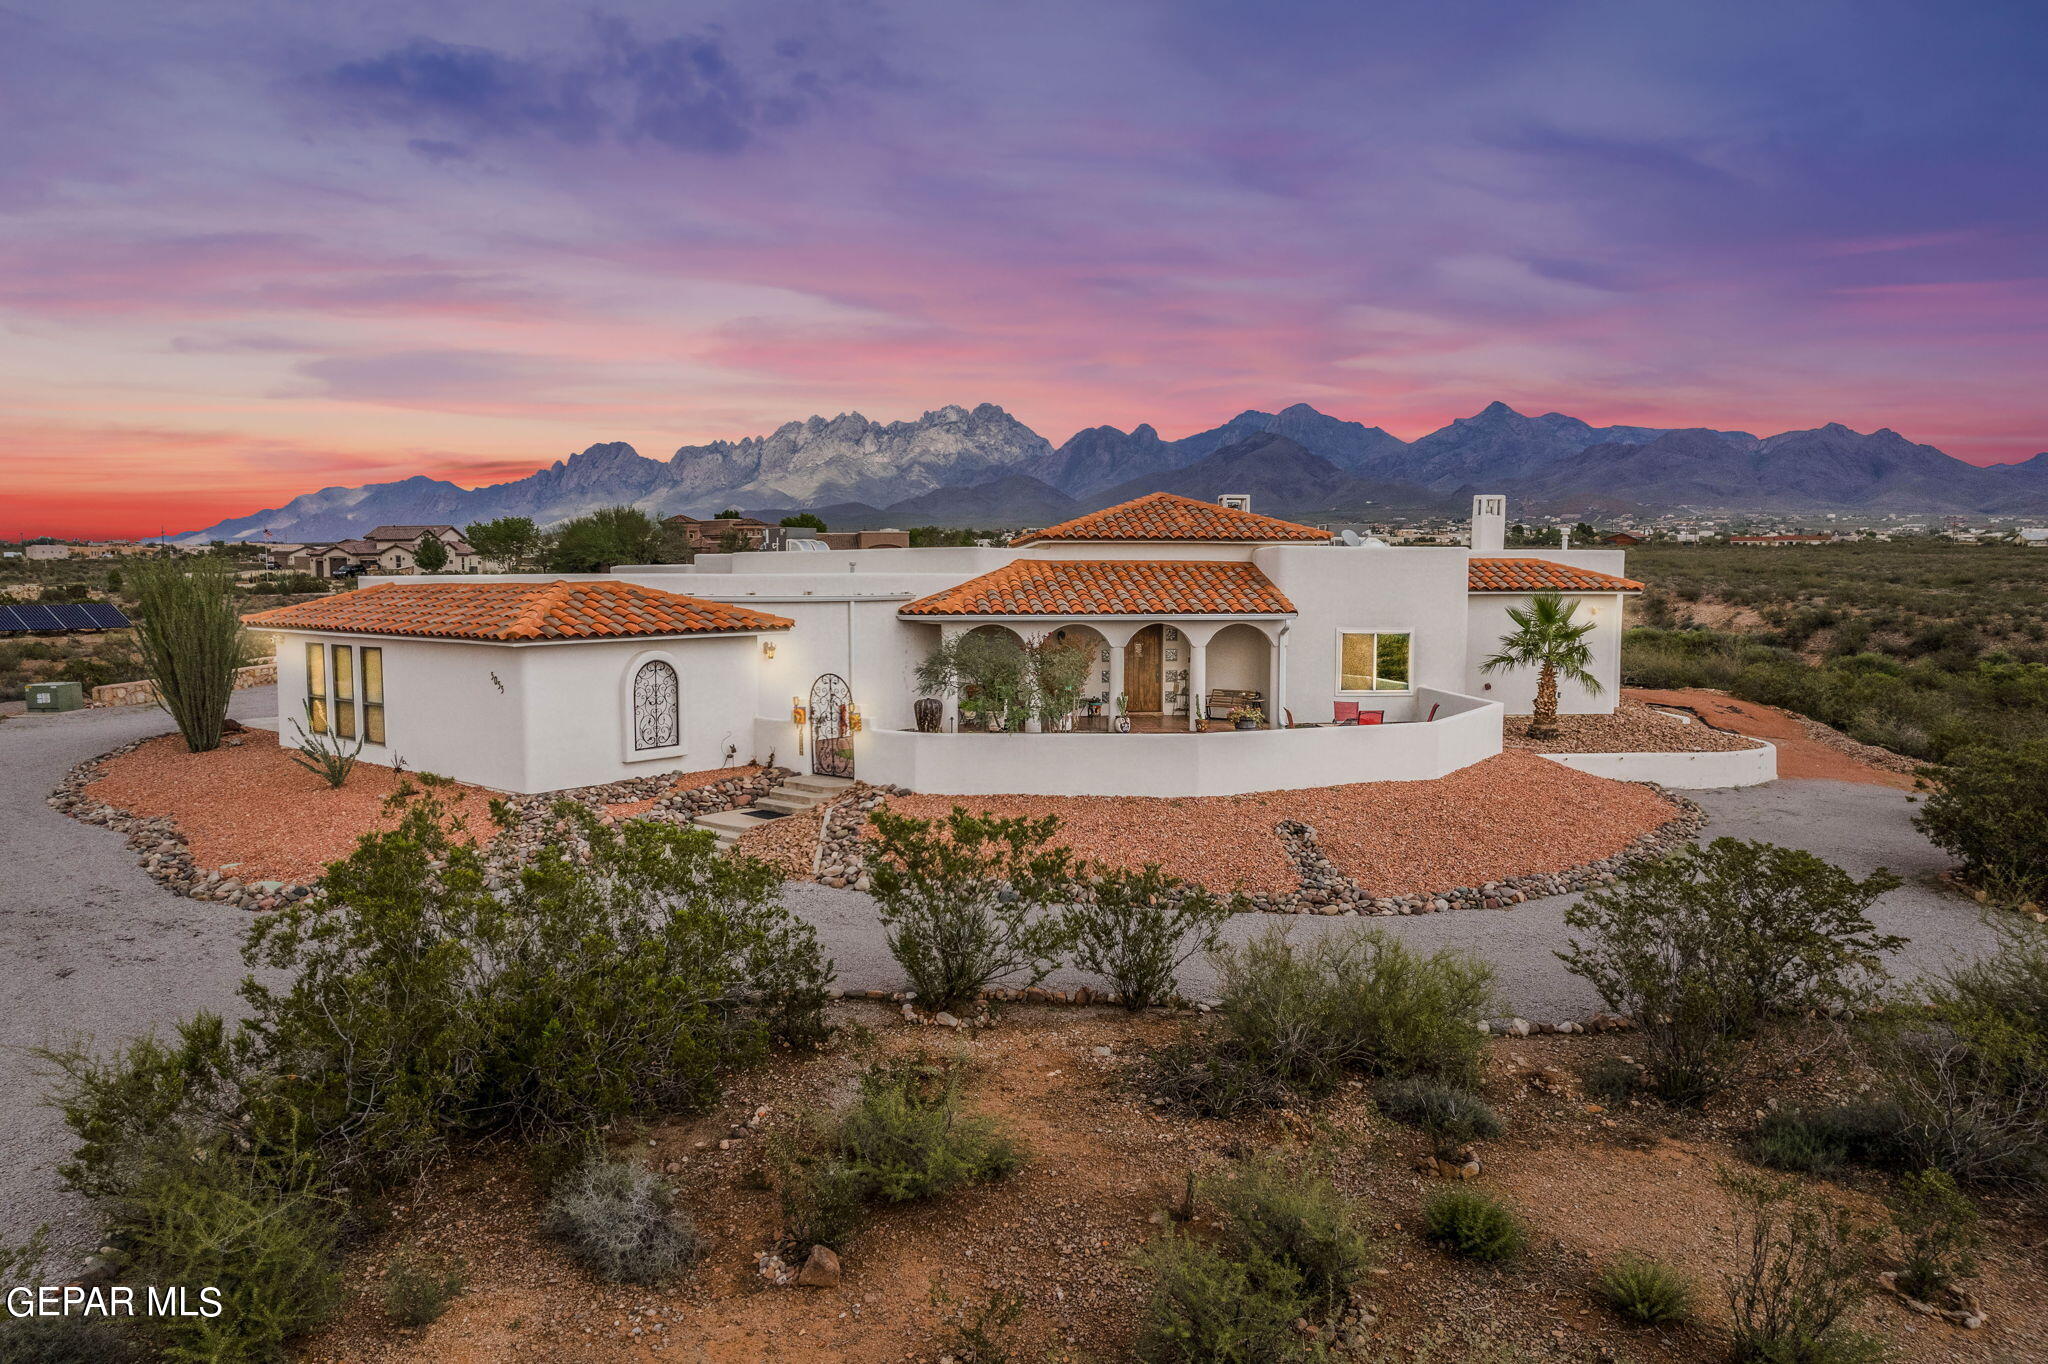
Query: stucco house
x=1364 y=659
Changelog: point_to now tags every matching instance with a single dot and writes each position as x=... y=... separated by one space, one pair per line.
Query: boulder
x=821 y=1269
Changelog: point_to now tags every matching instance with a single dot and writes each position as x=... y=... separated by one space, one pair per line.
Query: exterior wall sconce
x=768 y=649
x=853 y=720
x=796 y=710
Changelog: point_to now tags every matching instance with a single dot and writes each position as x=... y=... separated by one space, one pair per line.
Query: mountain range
x=980 y=466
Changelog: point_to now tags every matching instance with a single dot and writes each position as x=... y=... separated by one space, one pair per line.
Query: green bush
x=1353 y=1002
x=977 y=1332
x=68 y=1340
x=1819 y=1140
x=1969 y=1067
x=1135 y=929
x=1202 y=1074
x=1211 y=1307
x=966 y=903
x=822 y=1202
x=1989 y=810
x=1645 y=1291
x=1703 y=947
x=1937 y=1223
x=1802 y=1271
x=1611 y=1079
x=189 y=629
x=1449 y=1113
x=418 y=1288
x=618 y=1220
x=1474 y=1225
x=1273 y=1212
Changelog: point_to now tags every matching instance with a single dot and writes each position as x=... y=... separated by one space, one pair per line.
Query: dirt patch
x=1103 y=1166
x=1632 y=728
x=249 y=810
x=1507 y=816
x=1802 y=753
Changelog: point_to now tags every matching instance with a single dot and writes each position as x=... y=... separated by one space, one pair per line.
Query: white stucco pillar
x=1116 y=636
x=1276 y=678
x=1196 y=635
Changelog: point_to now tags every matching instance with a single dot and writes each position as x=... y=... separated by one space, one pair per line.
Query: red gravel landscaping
x=1508 y=816
x=251 y=809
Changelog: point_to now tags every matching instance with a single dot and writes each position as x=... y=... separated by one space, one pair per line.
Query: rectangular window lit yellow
x=373 y=695
x=1373 y=662
x=344 y=692
x=316 y=688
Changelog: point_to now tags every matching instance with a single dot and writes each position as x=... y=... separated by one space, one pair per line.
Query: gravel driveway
x=89 y=945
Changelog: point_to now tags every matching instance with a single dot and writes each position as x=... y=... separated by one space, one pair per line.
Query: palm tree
x=1547 y=637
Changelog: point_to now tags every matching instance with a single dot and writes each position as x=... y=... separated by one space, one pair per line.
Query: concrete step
x=794 y=803
x=827 y=787
x=728 y=822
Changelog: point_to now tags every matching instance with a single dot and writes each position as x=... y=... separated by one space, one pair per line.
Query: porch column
x=1116 y=635
x=1276 y=680
x=1198 y=681
x=949 y=712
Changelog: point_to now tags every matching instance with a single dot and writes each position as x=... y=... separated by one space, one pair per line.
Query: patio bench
x=1222 y=702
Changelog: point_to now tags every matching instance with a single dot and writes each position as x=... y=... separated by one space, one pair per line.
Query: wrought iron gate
x=831 y=727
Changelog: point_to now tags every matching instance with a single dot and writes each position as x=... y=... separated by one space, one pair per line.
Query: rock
x=1519 y=1027
x=945 y=1020
x=821 y=1270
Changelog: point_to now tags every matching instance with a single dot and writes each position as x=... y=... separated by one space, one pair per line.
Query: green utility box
x=55 y=696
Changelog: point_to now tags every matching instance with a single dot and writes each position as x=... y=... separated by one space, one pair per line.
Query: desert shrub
x=1989 y=810
x=1611 y=1079
x=1273 y=1212
x=258 y=1233
x=56 y=1340
x=1211 y=1307
x=1357 y=1001
x=1969 y=1067
x=1474 y=1225
x=1136 y=929
x=418 y=1288
x=324 y=755
x=1645 y=1291
x=1818 y=1140
x=1801 y=1273
x=627 y=970
x=1937 y=1224
x=1199 y=1073
x=189 y=629
x=977 y=1331
x=618 y=1220
x=1450 y=1114
x=905 y=1138
x=1704 y=946
x=965 y=901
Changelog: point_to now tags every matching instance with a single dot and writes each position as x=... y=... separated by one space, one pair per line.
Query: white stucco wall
x=1681 y=771
x=1487 y=621
x=1467 y=731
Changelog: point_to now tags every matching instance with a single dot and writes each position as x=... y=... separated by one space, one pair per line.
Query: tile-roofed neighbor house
x=1541 y=575
x=515 y=612
x=1080 y=587
x=1171 y=517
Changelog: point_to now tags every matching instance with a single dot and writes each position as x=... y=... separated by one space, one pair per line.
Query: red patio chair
x=1347 y=713
x=1372 y=717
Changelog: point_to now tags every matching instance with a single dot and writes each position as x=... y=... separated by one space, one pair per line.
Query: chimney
x=1489 y=523
x=1236 y=501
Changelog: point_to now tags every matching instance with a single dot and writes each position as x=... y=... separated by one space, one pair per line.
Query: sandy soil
x=1801 y=755
x=250 y=810
x=1512 y=814
x=1104 y=1164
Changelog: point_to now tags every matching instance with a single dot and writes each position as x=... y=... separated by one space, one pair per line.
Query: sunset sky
x=248 y=250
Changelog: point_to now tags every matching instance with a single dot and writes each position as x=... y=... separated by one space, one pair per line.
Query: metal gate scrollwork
x=657 y=713
x=831 y=727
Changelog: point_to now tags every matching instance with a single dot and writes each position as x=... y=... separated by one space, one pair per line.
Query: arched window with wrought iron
x=657 y=707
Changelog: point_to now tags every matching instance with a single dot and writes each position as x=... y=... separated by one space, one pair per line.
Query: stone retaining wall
x=143 y=693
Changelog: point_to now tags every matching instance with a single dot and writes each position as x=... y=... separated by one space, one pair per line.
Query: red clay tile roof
x=1169 y=516
x=515 y=611
x=1094 y=587
x=1541 y=575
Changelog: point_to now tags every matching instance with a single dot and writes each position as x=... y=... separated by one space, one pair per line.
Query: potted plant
x=1123 y=719
x=1248 y=717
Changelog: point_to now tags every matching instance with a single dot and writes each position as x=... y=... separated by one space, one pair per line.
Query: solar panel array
x=87 y=615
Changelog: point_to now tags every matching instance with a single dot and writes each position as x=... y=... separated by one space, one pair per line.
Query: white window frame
x=627 y=752
x=1337 y=658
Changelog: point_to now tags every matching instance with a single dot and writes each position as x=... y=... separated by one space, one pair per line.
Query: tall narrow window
x=1372 y=662
x=344 y=692
x=657 y=717
x=316 y=688
x=373 y=695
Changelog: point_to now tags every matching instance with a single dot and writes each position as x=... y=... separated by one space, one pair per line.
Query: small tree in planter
x=190 y=636
x=1059 y=669
x=1549 y=638
x=990 y=671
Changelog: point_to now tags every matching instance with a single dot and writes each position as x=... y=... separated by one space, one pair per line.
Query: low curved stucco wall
x=1683 y=771
x=1466 y=731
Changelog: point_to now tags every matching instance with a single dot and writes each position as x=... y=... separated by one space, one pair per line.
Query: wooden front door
x=1142 y=657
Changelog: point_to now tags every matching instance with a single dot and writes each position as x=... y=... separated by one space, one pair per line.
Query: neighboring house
x=709 y=534
x=1780 y=541
x=386 y=550
x=1371 y=654
x=46 y=552
x=1622 y=540
x=866 y=539
x=2035 y=536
